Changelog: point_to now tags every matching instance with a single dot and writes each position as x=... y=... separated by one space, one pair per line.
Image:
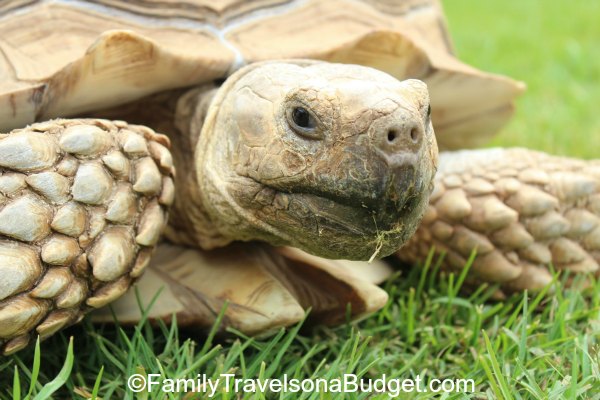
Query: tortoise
x=296 y=143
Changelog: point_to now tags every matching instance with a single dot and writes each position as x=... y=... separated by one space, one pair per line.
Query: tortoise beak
x=399 y=141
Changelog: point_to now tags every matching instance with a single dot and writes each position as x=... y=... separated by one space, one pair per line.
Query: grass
x=526 y=347
x=539 y=347
x=552 y=46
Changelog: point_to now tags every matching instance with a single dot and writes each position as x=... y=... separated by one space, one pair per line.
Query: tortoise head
x=337 y=160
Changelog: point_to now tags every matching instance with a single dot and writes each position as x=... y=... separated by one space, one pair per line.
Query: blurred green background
x=551 y=45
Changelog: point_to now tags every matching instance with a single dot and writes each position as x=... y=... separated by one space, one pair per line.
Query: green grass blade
x=496 y=368
x=61 y=378
x=97 y=383
x=16 y=385
x=491 y=378
x=214 y=329
x=35 y=370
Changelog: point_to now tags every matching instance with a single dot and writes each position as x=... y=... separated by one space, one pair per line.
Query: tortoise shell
x=66 y=58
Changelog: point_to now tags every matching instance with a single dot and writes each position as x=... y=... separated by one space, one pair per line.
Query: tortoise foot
x=521 y=210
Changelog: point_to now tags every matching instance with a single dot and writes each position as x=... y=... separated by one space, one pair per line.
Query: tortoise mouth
x=315 y=211
x=330 y=228
x=354 y=216
x=330 y=225
x=391 y=195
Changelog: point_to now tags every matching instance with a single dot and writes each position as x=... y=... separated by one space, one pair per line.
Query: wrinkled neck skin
x=189 y=222
x=204 y=214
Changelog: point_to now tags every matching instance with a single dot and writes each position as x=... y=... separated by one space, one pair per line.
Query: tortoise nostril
x=391 y=135
x=414 y=134
x=398 y=134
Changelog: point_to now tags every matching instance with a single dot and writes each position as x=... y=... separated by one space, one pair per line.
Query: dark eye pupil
x=429 y=110
x=301 y=117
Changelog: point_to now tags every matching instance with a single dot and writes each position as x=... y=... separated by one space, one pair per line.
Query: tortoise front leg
x=82 y=204
x=520 y=209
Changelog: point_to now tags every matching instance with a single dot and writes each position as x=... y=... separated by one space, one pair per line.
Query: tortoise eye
x=303 y=122
x=429 y=111
x=302 y=118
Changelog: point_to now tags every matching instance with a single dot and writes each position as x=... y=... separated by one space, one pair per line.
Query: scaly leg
x=521 y=210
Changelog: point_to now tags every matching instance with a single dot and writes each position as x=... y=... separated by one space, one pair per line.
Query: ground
x=536 y=347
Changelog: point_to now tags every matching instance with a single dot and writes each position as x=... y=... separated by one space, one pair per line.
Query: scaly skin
x=82 y=202
x=521 y=210
x=82 y=205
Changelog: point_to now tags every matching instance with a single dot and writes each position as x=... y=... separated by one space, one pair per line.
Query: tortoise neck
x=189 y=223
